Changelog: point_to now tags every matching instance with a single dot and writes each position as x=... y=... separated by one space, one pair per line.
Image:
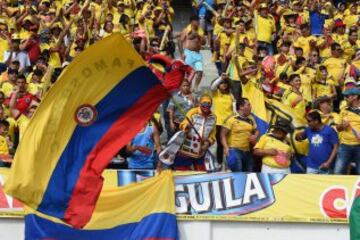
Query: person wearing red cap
x=339 y=35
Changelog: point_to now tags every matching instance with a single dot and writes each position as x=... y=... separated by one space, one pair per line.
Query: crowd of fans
x=304 y=54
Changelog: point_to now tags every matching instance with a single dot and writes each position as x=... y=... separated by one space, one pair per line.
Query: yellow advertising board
x=290 y=198
x=242 y=196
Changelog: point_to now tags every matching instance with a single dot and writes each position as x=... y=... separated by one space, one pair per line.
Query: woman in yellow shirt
x=293 y=97
x=223 y=107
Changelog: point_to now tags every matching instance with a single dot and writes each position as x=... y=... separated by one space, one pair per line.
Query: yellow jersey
x=267 y=142
x=240 y=130
x=222 y=106
x=290 y=97
x=4 y=148
x=304 y=43
x=265 y=28
x=336 y=68
x=324 y=89
x=352 y=116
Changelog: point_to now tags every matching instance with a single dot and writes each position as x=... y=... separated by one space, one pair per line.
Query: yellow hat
x=289 y=13
x=57 y=25
x=120 y=3
x=29 y=18
x=15 y=36
x=349 y=80
x=52 y=10
x=263 y=5
x=205 y=98
x=45 y=1
x=324 y=11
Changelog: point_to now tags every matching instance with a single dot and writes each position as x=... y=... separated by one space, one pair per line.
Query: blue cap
x=352 y=91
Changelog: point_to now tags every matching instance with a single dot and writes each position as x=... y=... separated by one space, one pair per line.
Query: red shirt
x=22 y=103
x=33 y=50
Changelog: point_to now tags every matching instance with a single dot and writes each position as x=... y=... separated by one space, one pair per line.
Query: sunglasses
x=205 y=104
x=12 y=72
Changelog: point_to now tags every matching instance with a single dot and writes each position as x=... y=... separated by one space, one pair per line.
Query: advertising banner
x=242 y=196
x=260 y=197
x=266 y=198
x=9 y=207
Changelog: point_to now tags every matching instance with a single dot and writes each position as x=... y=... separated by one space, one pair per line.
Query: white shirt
x=20 y=56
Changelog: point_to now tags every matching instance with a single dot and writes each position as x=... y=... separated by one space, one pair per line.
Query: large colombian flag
x=355 y=220
x=143 y=211
x=100 y=102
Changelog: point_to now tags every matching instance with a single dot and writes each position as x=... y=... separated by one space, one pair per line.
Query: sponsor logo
x=232 y=194
x=336 y=201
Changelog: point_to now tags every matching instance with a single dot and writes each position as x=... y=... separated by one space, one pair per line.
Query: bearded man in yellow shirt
x=335 y=64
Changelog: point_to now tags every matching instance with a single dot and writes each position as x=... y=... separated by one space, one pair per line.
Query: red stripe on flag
x=89 y=184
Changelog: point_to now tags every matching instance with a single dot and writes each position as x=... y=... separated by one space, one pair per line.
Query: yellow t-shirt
x=349 y=50
x=324 y=89
x=290 y=97
x=335 y=67
x=222 y=106
x=12 y=125
x=351 y=20
x=279 y=68
x=348 y=135
x=4 y=148
x=306 y=86
x=55 y=60
x=7 y=88
x=267 y=142
x=148 y=26
x=265 y=28
x=331 y=119
x=249 y=36
x=35 y=88
x=22 y=123
x=240 y=131
x=217 y=28
x=129 y=9
x=326 y=51
x=24 y=34
x=340 y=39
x=225 y=41
x=304 y=43
x=4 y=46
